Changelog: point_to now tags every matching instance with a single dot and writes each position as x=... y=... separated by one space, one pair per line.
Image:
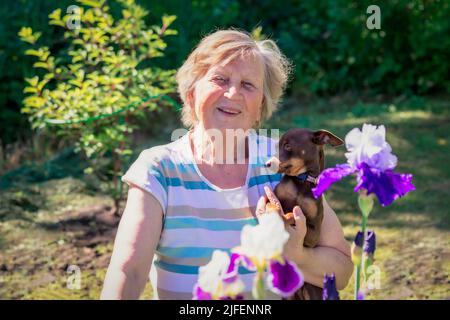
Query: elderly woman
x=183 y=202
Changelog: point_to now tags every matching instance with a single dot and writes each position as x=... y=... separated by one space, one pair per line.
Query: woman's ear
x=190 y=98
x=191 y=102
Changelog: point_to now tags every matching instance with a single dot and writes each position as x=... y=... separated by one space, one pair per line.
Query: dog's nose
x=273 y=164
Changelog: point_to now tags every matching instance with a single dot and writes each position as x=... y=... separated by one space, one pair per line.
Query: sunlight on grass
x=413 y=242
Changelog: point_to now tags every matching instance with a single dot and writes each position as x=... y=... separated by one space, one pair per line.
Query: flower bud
x=360 y=295
x=365 y=203
x=329 y=288
x=370 y=244
x=357 y=247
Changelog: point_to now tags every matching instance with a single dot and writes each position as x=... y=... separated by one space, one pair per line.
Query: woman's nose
x=232 y=92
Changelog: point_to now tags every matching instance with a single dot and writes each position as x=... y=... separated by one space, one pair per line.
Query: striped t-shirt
x=199 y=217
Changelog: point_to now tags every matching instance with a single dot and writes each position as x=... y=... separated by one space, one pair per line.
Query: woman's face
x=230 y=96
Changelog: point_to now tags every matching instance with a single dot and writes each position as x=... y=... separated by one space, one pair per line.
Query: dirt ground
x=37 y=254
x=48 y=227
x=41 y=257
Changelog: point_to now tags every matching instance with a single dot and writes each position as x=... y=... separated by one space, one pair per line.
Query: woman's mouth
x=228 y=111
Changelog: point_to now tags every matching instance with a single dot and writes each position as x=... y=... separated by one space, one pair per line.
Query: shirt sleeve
x=147 y=173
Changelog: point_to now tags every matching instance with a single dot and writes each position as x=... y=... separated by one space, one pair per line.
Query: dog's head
x=301 y=150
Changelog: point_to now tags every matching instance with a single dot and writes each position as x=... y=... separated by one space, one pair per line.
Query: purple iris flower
x=283 y=278
x=370 y=243
x=329 y=288
x=387 y=185
x=360 y=295
x=370 y=157
x=232 y=271
x=235 y=260
x=359 y=239
x=218 y=279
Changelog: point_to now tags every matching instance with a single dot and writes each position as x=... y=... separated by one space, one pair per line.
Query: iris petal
x=370 y=244
x=387 y=185
x=330 y=176
x=284 y=279
x=232 y=270
x=199 y=294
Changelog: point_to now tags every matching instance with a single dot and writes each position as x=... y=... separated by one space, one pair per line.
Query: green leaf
x=55 y=15
x=57 y=23
x=32 y=52
x=167 y=20
x=40 y=64
x=32 y=81
x=49 y=76
x=92 y=3
x=41 y=84
x=170 y=32
x=25 y=32
x=26 y=35
x=34 y=102
x=77 y=58
x=30 y=90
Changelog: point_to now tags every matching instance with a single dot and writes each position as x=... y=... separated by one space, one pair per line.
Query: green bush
x=84 y=91
x=328 y=41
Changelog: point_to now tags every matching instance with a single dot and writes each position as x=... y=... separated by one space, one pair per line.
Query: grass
x=413 y=233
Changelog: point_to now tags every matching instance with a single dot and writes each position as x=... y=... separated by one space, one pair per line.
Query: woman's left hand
x=294 y=245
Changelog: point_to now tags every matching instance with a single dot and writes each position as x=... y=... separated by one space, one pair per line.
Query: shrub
x=95 y=86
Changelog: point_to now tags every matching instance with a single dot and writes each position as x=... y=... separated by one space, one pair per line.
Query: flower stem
x=357 y=280
x=258 y=285
x=365 y=204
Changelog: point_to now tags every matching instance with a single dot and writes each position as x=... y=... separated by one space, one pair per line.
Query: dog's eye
x=287 y=147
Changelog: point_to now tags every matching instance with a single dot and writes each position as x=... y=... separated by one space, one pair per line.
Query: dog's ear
x=322 y=137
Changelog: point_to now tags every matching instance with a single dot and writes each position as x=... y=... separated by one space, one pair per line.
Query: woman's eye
x=248 y=85
x=219 y=78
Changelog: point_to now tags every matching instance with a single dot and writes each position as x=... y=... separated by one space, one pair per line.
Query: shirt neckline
x=191 y=157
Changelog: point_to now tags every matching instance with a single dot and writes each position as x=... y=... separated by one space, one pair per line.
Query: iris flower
x=370 y=243
x=368 y=247
x=213 y=281
x=261 y=251
x=371 y=158
x=329 y=288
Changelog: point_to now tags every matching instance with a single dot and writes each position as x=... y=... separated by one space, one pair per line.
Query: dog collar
x=306 y=177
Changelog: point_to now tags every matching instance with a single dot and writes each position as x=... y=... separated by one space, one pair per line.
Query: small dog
x=301 y=159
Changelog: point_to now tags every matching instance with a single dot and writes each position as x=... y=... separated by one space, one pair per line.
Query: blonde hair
x=223 y=46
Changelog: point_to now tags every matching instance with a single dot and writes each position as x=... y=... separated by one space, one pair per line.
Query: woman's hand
x=294 y=245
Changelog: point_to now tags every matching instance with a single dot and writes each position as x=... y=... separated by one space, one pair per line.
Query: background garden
x=76 y=108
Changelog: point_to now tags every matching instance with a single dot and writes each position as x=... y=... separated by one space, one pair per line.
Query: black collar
x=306 y=177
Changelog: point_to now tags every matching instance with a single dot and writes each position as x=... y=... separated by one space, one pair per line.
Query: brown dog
x=301 y=160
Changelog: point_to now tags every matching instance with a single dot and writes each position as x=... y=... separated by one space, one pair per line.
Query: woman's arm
x=136 y=240
x=332 y=254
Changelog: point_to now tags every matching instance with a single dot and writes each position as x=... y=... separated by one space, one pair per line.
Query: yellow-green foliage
x=101 y=71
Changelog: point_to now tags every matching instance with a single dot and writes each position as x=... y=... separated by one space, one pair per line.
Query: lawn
x=54 y=221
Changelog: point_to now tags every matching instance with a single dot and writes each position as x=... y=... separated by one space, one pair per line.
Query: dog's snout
x=273 y=164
